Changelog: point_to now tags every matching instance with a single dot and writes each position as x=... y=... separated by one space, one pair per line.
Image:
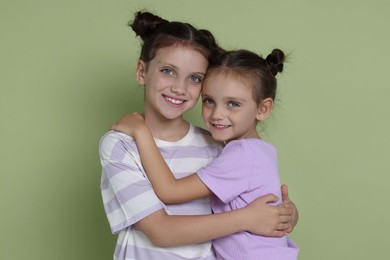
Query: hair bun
x=275 y=61
x=144 y=23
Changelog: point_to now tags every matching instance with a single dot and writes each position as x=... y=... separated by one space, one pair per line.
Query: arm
x=169 y=189
x=167 y=230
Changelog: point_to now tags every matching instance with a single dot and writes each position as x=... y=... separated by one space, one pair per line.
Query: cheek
x=195 y=92
x=205 y=112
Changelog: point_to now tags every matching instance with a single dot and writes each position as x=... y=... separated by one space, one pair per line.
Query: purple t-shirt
x=245 y=170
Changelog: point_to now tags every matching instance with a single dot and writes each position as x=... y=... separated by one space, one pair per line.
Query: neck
x=167 y=129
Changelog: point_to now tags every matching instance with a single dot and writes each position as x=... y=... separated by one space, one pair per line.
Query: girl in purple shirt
x=238 y=92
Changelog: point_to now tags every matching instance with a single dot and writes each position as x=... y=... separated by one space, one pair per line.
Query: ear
x=140 y=72
x=264 y=109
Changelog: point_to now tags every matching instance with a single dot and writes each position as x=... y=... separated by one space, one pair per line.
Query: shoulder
x=114 y=137
x=250 y=147
x=114 y=140
x=236 y=146
x=264 y=147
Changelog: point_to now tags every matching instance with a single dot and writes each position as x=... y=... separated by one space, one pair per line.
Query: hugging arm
x=169 y=230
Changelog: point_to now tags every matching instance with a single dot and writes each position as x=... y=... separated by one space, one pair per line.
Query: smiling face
x=172 y=80
x=228 y=108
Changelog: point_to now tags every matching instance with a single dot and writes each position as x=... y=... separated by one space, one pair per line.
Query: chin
x=173 y=114
x=219 y=139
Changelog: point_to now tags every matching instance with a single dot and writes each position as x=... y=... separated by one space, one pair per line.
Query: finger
x=282 y=226
x=285 y=196
x=286 y=205
x=290 y=229
x=277 y=233
x=285 y=210
x=269 y=198
x=285 y=219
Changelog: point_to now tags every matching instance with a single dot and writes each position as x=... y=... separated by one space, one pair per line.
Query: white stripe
x=188 y=164
x=137 y=203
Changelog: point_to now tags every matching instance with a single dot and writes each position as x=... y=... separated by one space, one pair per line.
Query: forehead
x=228 y=75
x=227 y=85
x=182 y=57
x=178 y=49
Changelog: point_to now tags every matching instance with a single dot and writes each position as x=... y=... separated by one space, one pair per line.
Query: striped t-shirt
x=128 y=196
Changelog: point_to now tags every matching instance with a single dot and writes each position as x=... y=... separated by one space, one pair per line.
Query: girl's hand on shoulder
x=130 y=124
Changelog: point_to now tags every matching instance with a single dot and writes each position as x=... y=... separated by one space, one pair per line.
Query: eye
x=196 y=79
x=167 y=71
x=233 y=104
x=207 y=101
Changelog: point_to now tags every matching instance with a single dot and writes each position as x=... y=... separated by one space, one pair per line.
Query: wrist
x=141 y=131
x=240 y=219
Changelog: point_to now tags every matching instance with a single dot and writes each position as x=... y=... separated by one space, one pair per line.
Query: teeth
x=221 y=126
x=175 y=101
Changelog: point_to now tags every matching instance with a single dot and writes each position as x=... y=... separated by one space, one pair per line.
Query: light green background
x=67 y=74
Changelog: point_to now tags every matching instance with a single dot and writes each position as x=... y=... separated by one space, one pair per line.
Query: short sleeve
x=127 y=195
x=227 y=175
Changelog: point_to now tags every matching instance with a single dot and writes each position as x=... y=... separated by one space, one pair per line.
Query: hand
x=287 y=203
x=267 y=220
x=130 y=124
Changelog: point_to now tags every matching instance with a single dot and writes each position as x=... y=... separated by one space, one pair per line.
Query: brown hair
x=249 y=66
x=157 y=33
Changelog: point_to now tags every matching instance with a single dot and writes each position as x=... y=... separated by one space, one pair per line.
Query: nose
x=179 y=87
x=217 y=113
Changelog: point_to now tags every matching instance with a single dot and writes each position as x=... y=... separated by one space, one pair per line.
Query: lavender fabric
x=245 y=170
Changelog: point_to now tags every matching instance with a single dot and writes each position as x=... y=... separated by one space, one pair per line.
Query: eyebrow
x=235 y=98
x=177 y=68
x=227 y=98
x=168 y=64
